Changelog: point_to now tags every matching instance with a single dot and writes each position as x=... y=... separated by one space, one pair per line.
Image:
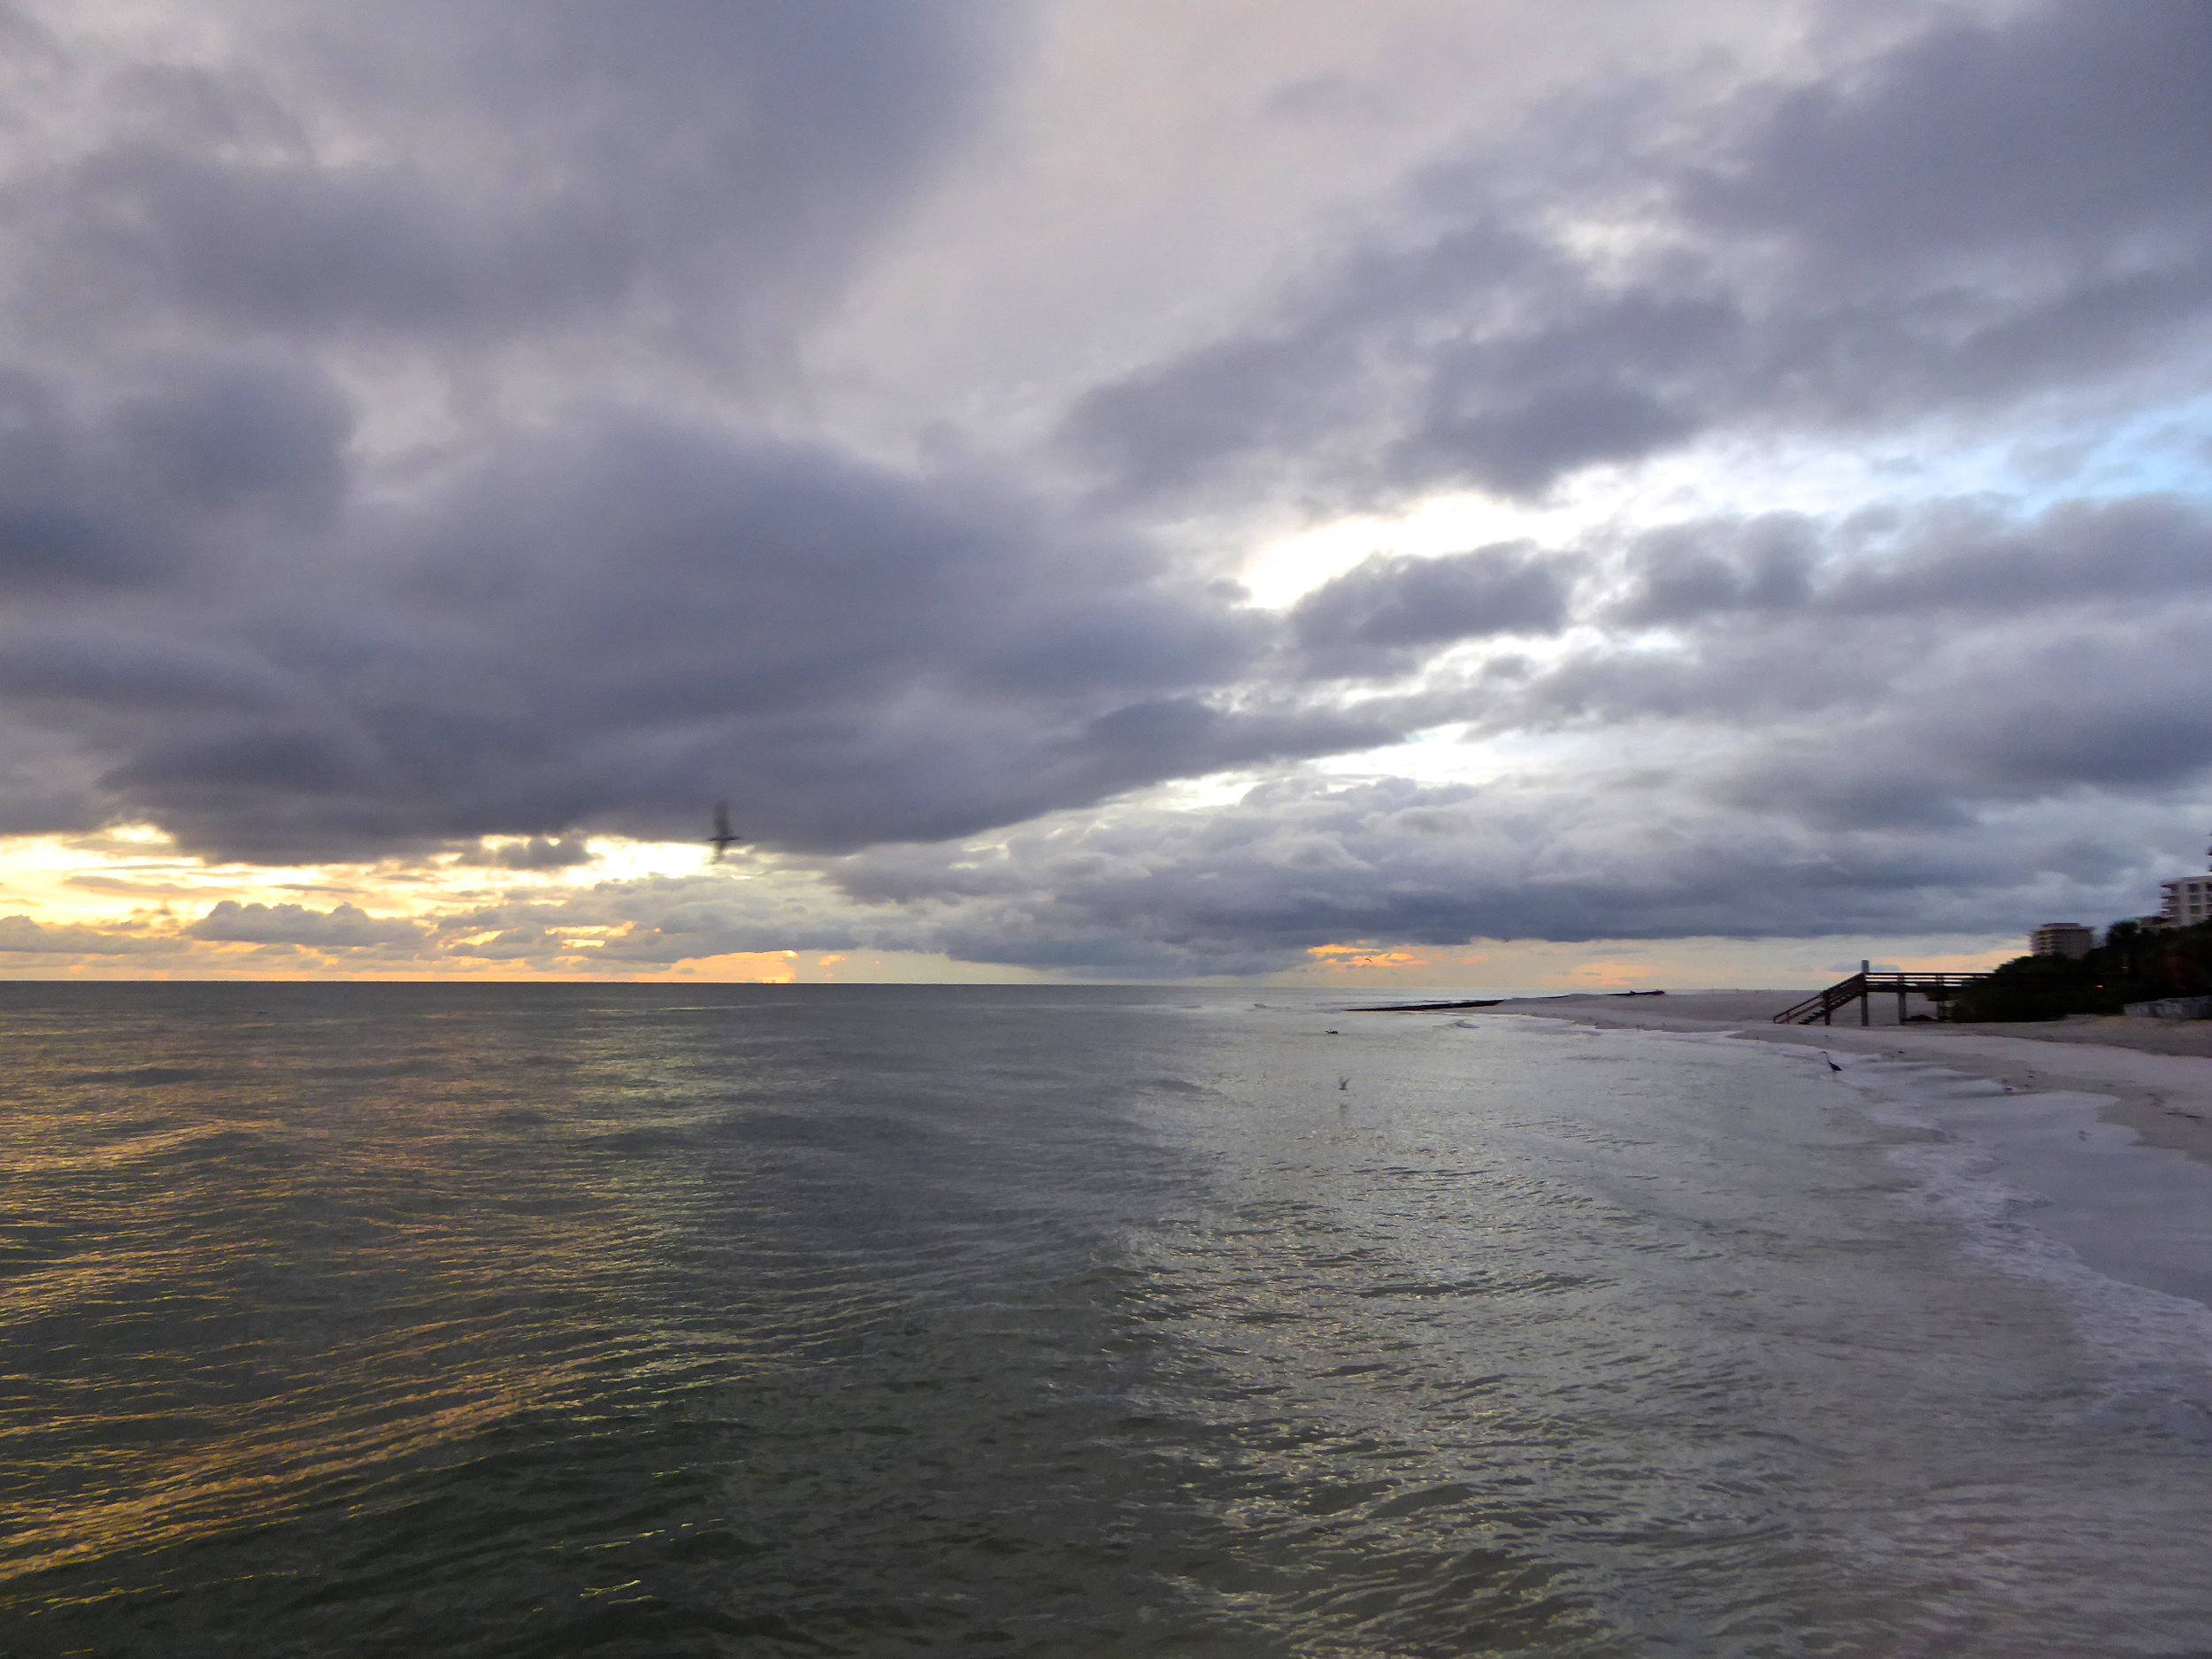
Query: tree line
x=2134 y=965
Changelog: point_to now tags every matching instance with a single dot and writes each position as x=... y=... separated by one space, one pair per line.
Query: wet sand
x=2158 y=1073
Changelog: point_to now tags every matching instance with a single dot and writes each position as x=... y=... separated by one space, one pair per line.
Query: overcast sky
x=1106 y=488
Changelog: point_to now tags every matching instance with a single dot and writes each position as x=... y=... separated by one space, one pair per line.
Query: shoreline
x=2164 y=1093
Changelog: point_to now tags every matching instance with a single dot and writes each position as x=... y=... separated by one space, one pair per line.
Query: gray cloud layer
x=440 y=178
x=1987 y=212
x=407 y=436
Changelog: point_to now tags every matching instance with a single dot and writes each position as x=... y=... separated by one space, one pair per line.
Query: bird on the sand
x=1832 y=1066
x=724 y=838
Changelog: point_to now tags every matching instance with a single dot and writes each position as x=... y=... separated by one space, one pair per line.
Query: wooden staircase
x=1860 y=987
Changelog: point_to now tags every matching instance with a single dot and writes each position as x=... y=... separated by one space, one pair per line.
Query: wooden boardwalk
x=1860 y=987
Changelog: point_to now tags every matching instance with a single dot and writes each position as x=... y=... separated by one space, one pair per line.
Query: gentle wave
x=551 y=1321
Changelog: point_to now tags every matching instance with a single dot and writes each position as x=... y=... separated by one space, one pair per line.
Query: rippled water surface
x=674 y=1320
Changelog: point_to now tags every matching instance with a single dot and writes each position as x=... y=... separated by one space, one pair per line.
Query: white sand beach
x=2158 y=1073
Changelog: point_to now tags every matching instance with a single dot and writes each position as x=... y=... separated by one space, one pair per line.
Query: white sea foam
x=2042 y=1188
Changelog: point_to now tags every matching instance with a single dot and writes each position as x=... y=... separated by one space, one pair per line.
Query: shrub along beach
x=2135 y=964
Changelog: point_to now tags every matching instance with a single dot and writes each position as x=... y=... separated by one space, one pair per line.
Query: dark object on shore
x=1635 y=994
x=2171 y=1007
x=1423 y=1008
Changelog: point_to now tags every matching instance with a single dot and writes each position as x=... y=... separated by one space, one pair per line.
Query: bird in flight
x=724 y=838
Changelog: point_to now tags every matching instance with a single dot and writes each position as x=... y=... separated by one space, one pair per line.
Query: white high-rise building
x=2062 y=939
x=2186 y=901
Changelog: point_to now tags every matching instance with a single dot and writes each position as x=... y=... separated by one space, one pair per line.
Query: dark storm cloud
x=1964 y=559
x=1377 y=617
x=1988 y=212
x=612 y=623
x=591 y=619
x=407 y=445
x=538 y=852
x=2058 y=716
x=1297 y=865
x=1300 y=864
x=93 y=669
x=191 y=458
x=1906 y=667
x=432 y=173
x=2065 y=129
x=1914 y=666
x=596 y=618
x=1695 y=572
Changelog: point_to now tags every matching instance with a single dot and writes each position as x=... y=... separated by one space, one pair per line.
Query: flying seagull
x=724 y=838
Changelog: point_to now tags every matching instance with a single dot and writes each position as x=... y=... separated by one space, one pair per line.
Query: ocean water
x=730 y=1320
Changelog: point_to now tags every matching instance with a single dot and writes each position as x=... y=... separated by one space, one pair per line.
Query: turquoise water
x=731 y=1320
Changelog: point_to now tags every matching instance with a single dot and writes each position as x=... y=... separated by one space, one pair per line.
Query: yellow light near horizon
x=615 y=858
x=1617 y=964
x=736 y=967
x=135 y=882
x=119 y=874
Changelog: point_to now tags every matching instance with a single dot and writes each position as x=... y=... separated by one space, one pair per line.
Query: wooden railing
x=1860 y=988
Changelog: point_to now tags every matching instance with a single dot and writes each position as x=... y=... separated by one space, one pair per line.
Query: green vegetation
x=2134 y=965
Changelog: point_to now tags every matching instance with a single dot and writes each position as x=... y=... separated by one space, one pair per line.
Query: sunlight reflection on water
x=545 y=1319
